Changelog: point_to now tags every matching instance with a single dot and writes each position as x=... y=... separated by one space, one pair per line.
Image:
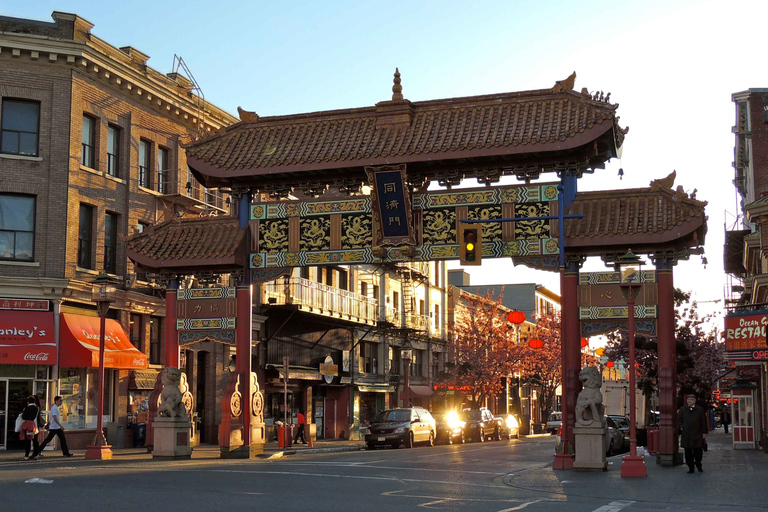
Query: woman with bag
x=29 y=428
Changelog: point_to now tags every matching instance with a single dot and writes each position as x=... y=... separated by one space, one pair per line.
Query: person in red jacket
x=300 y=429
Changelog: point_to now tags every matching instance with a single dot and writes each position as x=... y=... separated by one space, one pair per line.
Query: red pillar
x=171 y=333
x=570 y=359
x=668 y=443
x=243 y=333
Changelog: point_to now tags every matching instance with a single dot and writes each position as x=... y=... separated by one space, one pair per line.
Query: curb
x=310 y=451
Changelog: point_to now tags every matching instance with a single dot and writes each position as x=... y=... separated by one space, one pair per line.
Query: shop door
x=18 y=391
x=3 y=413
x=743 y=417
x=319 y=416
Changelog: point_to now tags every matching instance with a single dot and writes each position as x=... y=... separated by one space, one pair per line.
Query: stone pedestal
x=236 y=449
x=172 y=438
x=590 y=449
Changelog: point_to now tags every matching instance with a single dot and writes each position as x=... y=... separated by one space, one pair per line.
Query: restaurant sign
x=745 y=336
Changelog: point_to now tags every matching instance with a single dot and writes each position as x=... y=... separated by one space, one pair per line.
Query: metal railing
x=323 y=299
x=176 y=182
x=412 y=320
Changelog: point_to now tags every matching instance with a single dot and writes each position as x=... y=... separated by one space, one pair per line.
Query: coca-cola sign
x=27 y=337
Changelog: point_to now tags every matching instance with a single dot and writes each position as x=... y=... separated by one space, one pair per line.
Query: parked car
x=450 y=428
x=622 y=423
x=614 y=437
x=554 y=421
x=481 y=425
x=407 y=426
x=510 y=426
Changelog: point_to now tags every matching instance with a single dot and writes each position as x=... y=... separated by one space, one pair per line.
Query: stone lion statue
x=589 y=404
x=171 y=403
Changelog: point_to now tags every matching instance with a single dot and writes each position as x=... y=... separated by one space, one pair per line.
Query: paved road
x=492 y=476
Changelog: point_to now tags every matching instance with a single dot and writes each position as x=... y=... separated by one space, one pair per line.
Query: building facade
x=90 y=153
x=743 y=387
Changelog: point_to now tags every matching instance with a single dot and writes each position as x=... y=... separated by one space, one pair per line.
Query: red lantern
x=535 y=343
x=609 y=364
x=516 y=317
x=584 y=342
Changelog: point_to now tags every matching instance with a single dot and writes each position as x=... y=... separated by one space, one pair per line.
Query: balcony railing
x=412 y=320
x=175 y=183
x=321 y=299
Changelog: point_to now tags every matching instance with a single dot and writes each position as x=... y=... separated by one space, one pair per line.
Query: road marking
x=614 y=506
x=38 y=481
x=352 y=477
x=521 y=506
x=436 y=500
x=363 y=465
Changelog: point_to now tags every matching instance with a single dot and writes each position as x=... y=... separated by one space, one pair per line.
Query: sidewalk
x=203 y=451
x=732 y=480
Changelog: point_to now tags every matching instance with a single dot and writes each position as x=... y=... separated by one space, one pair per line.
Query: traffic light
x=470 y=244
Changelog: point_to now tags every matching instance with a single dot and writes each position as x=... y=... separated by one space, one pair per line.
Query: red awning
x=80 y=344
x=27 y=337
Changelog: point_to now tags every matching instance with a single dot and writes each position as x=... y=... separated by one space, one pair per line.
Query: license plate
x=382 y=439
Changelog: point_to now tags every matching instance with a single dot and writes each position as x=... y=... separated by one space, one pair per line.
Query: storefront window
x=154 y=340
x=79 y=391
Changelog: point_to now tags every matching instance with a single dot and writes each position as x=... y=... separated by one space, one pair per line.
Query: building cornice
x=110 y=65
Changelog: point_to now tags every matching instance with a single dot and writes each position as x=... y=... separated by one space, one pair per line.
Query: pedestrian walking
x=726 y=419
x=300 y=429
x=55 y=428
x=29 y=429
x=693 y=425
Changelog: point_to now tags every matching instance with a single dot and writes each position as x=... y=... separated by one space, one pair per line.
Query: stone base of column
x=669 y=459
x=633 y=467
x=238 y=450
x=590 y=449
x=98 y=452
x=563 y=461
x=172 y=438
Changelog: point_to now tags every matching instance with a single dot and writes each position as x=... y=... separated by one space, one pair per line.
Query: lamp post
x=103 y=292
x=629 y=270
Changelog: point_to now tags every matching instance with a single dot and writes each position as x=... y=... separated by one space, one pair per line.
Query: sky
x=671 y=65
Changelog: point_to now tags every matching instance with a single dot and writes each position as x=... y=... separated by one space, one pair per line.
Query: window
x=85 y=237
x=20 y=127
x=87 y=155
x=110 y=243
x=364 y=289
x=141 y=227
x=415 y=366
x=367 y=363
x=144 y=169
x=154 y=340
x=135 y=332
x=162 y=170
x=17 y=227
x=437 y=316
x=113 y=151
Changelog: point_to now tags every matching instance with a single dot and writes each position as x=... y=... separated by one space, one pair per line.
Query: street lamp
x=103 y=292
x=629 y=271
x=406 y=355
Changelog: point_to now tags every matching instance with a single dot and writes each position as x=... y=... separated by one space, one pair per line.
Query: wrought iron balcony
x=412 y=320
x=182 y=185
x=321 y=299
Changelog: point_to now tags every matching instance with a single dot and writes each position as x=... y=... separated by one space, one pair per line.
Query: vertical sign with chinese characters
x=391 y=205
x=206 y=313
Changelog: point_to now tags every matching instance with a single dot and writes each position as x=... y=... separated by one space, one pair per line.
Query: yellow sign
x=329 y=369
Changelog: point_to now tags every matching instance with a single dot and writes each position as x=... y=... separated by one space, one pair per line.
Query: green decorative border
x=613 y=312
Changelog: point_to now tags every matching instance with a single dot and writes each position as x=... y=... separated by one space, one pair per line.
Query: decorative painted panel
x=356 y=231
x=316 y=233
x=306 y=239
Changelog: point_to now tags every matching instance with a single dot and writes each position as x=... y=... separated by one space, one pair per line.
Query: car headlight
x=401 y=430
x=511 y=422
x=453 y=420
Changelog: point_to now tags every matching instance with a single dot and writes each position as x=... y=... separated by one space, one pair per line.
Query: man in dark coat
x=693 y=424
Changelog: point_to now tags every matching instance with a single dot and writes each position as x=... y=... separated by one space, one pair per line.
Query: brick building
x=743 y=389
x=89 y=154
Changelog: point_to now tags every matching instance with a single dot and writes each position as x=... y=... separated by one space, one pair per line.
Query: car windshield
x=473 y=415
x=620 y=421
x=395 y=415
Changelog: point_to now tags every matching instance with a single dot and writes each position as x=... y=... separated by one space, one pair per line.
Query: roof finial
x=397 y=89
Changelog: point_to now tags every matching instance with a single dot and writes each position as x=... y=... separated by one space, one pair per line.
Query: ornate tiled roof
x=400 y=131
x=199 y=243
x=635 y=217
